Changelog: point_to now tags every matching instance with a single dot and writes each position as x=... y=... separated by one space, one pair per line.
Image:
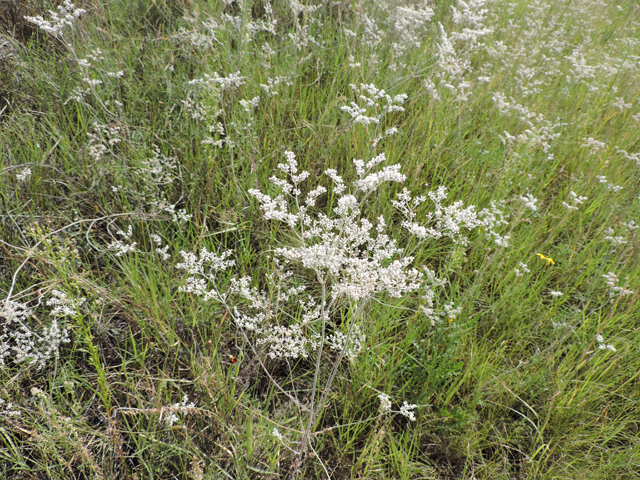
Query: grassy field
x=181 y=301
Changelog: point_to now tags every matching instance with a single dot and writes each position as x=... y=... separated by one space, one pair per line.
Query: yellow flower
x=548 y=259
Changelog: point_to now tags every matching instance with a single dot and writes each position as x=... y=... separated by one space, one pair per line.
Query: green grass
x=516 y=387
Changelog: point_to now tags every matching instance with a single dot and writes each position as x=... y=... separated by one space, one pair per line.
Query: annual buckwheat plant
x=21 y=344
x=351 y=259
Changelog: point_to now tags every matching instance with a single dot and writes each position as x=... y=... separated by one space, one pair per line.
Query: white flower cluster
x=407 y=409
x=608 y=185
x=530 y=202
x=385 y=403
x=580 y=71
x=202 y=34
x=409 y=25
x=352 y=257
x=620 y=104
x=178 y=408
x=250 y=105
x=8 y=410
x=540 y=132
x=78 y=94
x=387 y=133
x=217 y=128
x=276 y=433
x=577 y=200
x=432 y=285
x=233 y=80
x=359 y=265
x=203 y=270
x=451 y=70
x=194 y=110
x=455 y=64
x=284 y=342
x=370 y=96
x=472 y=16
x=155 y=174
x=271 y=87
x=261 y=311
x=22 y=176
x=614 y=240
x=522 y=270
x=121 y=248
x=369 y=183
x=602 y=345
x=611 y=279
x=352 y=346
x=448 y=221
x=634 y=157
x=21 y=344
x=592 y=144
x=65 y=17
x=102 y=140
x=63 y=305
x=163 y=252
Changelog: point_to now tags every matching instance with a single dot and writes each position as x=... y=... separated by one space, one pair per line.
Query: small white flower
x=163 y=252
x=611 y=279
x=615 y=240
x=8 y=410
x=523 y=269
x=250 y=105
x=407 y=410
x=530 y=202
x=171 y=419
x=620 y=104
x=592 y=144
x=22 y=176
x=63 y=305
x=92 y=82
x=603 y=346
x=569 y=207
x=576 y=198
x=385 y=403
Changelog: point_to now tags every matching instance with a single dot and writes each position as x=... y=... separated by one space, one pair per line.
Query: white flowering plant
x=21 y=344
x=65 y=17
x=351 y=259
